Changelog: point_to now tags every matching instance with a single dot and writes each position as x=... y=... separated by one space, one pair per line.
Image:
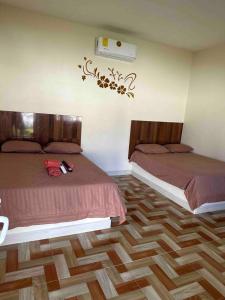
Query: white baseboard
x=119 y=173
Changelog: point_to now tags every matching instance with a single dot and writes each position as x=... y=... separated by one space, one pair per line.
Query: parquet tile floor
x=161 y=252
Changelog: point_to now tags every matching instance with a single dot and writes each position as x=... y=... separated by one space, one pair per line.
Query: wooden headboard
x=41 y=128
x=151 y=132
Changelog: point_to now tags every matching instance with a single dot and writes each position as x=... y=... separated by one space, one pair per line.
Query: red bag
x=52 y=171
x=52 y=163
x=53 y=167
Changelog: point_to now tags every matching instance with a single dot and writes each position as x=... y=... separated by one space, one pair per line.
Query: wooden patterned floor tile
x=161 y=252
x=204 y=264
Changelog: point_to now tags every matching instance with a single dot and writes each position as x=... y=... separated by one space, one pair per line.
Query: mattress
x=201 y=178
x=30 y=197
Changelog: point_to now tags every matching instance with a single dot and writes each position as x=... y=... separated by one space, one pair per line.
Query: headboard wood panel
x=41 y=128
x=152 y=132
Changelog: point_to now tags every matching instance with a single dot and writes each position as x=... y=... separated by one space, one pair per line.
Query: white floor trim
x=172 y=192
x=39 y=232
x=119 y=173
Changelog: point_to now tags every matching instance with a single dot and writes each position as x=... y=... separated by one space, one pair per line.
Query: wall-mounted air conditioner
x=115 y=49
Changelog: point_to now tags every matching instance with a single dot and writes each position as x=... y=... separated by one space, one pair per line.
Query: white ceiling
x=190 y=24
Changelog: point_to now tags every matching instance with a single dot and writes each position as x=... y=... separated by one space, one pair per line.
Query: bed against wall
x=193 y=181
x=40 y=206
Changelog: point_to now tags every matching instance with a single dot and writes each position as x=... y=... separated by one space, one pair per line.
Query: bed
x=193 y=181
x=40 y=206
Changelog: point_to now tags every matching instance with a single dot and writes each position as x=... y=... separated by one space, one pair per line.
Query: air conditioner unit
x=115 y=49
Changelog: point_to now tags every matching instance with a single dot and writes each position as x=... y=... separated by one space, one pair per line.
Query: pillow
x=21 y=146
x=178 y=148
x=151 y=148
x=61 y=147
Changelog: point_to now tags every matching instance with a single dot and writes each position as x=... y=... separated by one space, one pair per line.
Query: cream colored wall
x=38 y=72
x=205 y=114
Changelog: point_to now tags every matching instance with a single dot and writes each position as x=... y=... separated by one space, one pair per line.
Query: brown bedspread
x=201 y=178
x=29 y=196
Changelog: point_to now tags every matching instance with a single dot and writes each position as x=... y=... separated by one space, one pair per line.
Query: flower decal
x=121 y=90
x=116 y=81
x=103 y=82
x=113 y=85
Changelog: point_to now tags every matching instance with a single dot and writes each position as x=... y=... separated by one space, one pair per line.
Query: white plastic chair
x=4 y=230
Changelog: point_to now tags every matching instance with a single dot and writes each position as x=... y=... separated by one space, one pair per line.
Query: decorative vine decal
x=123 y=85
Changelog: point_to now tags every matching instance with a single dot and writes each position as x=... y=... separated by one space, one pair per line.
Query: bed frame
x=143 y=132
x=45 y=128
x=41 y=128
x=46 y=231
x=152 y=132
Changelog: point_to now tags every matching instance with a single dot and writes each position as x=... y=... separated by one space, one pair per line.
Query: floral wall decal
x=123 y=85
